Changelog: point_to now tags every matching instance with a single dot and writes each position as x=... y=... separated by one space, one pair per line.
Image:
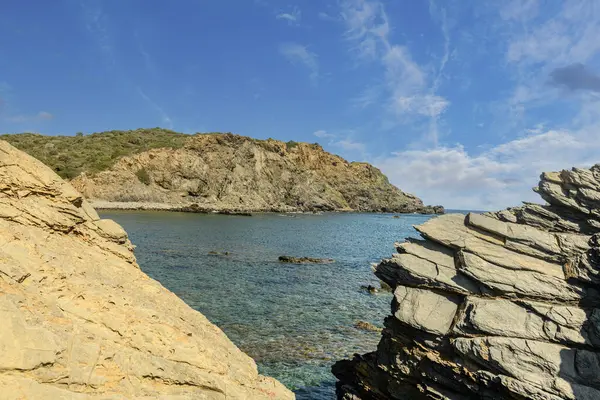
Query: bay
x=295 y=321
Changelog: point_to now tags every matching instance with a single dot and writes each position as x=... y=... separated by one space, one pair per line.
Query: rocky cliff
x=80 y=320
x=163 y=169
x=503 y=305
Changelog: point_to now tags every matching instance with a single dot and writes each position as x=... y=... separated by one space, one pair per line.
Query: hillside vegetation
x=71 y=155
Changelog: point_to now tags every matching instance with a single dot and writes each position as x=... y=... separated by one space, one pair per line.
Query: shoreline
x=101 y=205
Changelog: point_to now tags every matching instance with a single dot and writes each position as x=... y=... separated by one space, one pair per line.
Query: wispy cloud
x=147 y=59
x=407 y=89
x=323 y=134
x=299 y=54
x=22 y=118
x=343 y=140
x=161 y=112
x=293 y=17
x=96 y=22
x=350 y=145
x=324 y=16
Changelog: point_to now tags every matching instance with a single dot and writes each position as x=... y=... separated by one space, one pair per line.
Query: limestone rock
x=80 y=320
x=501 y=305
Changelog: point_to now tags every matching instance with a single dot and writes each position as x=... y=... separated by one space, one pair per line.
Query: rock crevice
x=500 y=305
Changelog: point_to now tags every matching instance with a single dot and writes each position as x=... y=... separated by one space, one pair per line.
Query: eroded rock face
x=503 y=305
x=232 y=172
x=80 y=320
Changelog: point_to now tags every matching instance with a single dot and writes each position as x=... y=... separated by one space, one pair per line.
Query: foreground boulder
x=503 y=305
x=80 y=320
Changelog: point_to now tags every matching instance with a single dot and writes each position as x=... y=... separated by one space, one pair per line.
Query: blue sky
x=463 y=103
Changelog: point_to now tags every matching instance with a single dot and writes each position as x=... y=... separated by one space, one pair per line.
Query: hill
x=157 y=168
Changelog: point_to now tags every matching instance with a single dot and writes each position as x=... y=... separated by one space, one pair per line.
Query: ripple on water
x=294 y=320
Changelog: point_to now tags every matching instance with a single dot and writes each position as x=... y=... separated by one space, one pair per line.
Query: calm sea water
x=294 y=320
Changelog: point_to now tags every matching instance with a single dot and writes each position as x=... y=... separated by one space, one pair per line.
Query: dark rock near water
x=369 y=288
x=219 y=253
x=367 y=326
x=501 y=305
x=233 y=212
x=305 y=260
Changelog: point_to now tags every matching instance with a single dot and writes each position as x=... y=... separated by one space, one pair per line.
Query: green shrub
x=143 y=176
x=291 y=144
x=69 y=155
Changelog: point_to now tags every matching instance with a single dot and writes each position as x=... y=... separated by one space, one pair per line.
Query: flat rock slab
x=451 y=231
x=425 y=310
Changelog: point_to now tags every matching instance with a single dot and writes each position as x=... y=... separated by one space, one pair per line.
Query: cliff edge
x=168 y=170
x=502 y=305
x=80 y=320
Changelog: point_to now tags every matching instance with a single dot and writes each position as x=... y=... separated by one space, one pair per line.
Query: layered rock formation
x=502 y=305
x=215 y=172
x=80 y=320
x=235 y=172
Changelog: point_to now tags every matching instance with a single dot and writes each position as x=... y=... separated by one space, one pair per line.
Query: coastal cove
x=295 y=321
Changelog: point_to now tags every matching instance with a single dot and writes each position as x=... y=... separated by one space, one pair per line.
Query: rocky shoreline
x=195 y=208
x=502 y=305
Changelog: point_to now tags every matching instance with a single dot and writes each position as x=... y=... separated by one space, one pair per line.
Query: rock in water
x=367 y=326
x=305 y=260
x=503 y=305
x=80 y=320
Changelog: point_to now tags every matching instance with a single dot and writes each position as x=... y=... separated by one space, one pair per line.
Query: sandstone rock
x=504 y=305
x=80 y=320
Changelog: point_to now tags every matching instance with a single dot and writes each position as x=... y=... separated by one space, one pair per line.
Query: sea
x=295 y=321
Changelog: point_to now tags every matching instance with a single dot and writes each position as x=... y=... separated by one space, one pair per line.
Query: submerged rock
x=367 y=326
x=305 y=260
x=80 y=320
x=502 y=305
x=369 y=288
x=219 y=253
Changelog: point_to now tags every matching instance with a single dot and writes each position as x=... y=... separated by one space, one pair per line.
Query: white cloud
x=323 y=134
x=349 y=145
x=293 y=17
x=325 y=16
x=519 y=10
x=44 y=115
x=499 y=177
x=407 y=89
x=296 y=53
x=20 y=118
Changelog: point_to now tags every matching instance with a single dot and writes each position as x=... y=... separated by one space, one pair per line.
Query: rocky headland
x=80 y=320
x=163 y=170
x=502 y=305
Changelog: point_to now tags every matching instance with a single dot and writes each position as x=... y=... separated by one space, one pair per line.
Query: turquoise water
x=294 y=320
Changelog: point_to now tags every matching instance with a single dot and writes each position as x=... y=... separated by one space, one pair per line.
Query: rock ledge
x=502 y=305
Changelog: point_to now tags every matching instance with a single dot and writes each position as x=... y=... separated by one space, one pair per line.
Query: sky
x=461 y=102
